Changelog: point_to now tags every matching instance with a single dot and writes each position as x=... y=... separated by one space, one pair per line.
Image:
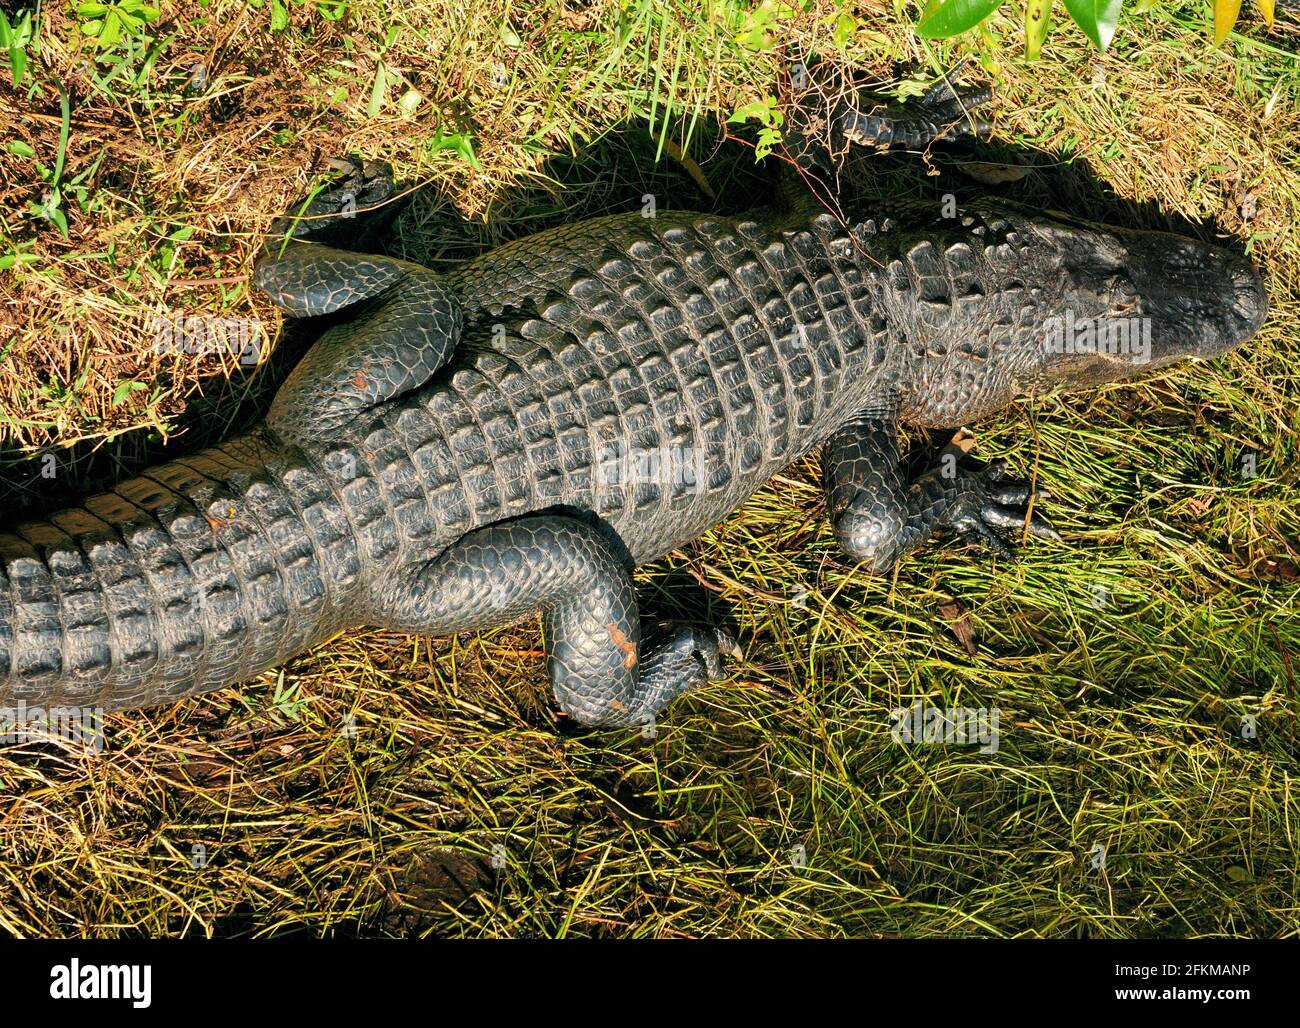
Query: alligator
x=463 y=450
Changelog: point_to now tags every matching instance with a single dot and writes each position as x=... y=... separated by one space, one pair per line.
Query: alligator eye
x=1123 y=296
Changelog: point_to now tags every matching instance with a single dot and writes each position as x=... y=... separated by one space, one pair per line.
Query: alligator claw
x=707 y=646
x=996 y=511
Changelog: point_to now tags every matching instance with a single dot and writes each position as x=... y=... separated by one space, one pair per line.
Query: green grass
x=377 y=785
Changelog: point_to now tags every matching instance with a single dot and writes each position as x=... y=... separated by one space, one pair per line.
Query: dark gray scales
x=463 y=450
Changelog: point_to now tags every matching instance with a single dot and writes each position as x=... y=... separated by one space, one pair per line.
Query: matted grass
x=383 y=784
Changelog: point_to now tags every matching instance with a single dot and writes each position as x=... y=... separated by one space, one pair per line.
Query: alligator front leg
x=601 y=672
x=879 y=517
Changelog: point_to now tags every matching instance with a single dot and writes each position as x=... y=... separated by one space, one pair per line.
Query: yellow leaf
x=1266 y=9
x=1225 y=16
x=1038 y=14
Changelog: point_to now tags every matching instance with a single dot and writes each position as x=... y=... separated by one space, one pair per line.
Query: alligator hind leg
x=394 y=345
x=602 y=673
x=407 y=323
x=879 y=517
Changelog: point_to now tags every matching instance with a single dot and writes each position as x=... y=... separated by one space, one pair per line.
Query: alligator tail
x=196 y=575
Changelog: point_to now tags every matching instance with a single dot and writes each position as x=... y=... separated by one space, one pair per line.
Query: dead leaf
x=993 y=174
x=961 y=626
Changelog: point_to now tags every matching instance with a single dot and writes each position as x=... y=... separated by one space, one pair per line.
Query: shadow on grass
x=613 y=174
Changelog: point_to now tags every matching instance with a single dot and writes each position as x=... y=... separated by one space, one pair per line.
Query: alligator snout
x=1201 y=300
x=1251 y=304
x=1136 y=301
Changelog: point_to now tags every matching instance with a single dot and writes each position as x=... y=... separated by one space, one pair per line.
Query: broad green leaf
x=1097 y=18
x=19 y=149
x=279 y=17
x=953 y=17
x=111 y=31
x=60 y=220
x=457 y=141
x=17 y=65
x=764 y=111
x=123 y=390
x=845 y=28
x=1266 y=8
x=1038 y=16
x=1226 y=13
x=768 y=139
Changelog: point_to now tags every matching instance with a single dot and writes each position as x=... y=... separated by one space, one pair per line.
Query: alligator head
x=1132 y=302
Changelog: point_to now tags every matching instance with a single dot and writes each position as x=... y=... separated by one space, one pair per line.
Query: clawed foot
x=711 y=645
x=689 y=658
x=706 y=646
x=943 y=112
x=828 y=116
x=952 y=108
x=994 y=508
x=331 y=215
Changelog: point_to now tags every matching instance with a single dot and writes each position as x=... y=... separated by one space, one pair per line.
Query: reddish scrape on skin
x=623 y=643
x=359 y=379
x=218 y=523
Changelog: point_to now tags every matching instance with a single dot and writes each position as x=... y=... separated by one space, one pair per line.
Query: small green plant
x=288 y=700
x=51 y=207
x=109 y=24
x=125 y=388
x=15 y=255
x=330 y=10
x=458 y=141
x=15 y=37
x=1098 y=19
x=769 y=116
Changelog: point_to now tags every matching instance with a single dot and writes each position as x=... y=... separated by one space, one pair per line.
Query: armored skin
x=467 y=449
